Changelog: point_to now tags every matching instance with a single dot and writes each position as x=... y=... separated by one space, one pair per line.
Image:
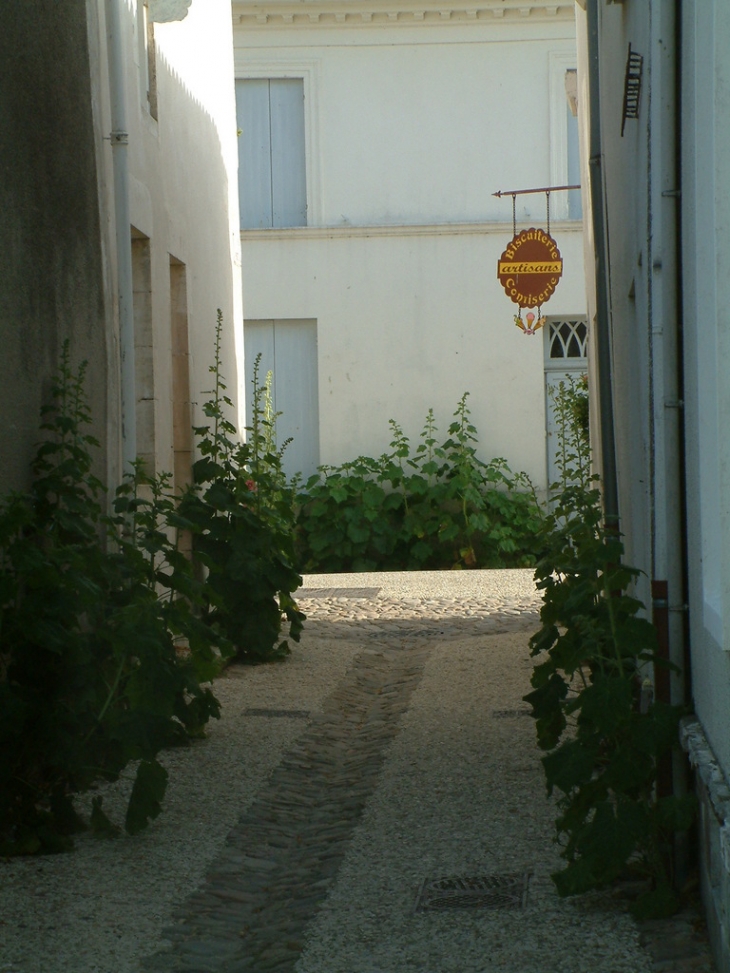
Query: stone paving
x=281 y=860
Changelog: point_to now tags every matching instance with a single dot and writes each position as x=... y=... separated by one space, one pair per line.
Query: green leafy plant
x=603 y=745
x=440 y=507
x=240 y=513
x=91 y=678
x=573 y=457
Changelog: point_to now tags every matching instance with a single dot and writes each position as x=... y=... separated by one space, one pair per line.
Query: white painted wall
x=634 y=288
x=706 y=218
x=409 y=318
x=641 y=200
x=411 y=126
x=640 y=227
x=706 y=291
x=183 y=191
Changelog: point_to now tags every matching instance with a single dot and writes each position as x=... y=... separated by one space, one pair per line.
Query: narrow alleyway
x=310 y=831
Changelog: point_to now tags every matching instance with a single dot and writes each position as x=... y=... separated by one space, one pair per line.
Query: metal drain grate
x=475 y=892
x=298 y=714
x=506 y=714
x=337 y=593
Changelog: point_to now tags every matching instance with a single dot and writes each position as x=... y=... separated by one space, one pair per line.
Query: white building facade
x=656 y=79
x=121 y=208
x=373 y=135
x=182 y=156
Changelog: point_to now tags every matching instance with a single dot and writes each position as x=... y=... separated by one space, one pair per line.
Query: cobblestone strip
x=282 y=857
x=427 y=610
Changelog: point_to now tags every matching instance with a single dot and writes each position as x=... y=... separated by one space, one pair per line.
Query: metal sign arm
x=526 y=192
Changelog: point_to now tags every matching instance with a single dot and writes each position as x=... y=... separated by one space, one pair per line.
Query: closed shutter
x=288 y=179
x=272 y=169
x=288 y=349
x=254 y=153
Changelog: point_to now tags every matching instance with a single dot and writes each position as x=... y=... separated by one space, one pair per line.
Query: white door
x=288 y=349
x=565 y=357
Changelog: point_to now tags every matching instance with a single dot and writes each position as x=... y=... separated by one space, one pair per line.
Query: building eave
x=355 y=13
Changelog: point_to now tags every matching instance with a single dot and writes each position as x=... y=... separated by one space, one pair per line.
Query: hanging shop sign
x=531 y=266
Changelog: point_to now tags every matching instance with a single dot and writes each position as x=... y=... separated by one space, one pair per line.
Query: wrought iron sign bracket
x=527 y=192
x=531 y=265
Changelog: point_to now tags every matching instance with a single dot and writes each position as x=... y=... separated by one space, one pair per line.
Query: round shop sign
x=530 y=268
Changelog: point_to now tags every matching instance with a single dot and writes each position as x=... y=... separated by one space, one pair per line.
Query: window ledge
x=345 y=231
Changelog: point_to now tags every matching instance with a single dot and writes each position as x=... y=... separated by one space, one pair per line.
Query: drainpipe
x=664 y=279
x=603 y=309
x=666 y=330
x=122 y=223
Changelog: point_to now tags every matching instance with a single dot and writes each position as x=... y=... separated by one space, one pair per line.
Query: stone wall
x=51 y=274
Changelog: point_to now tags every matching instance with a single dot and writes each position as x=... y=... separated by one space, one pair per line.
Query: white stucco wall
x=706 y=221
x=411 y=127
x=656 y=299
x=640 y=185
x=634 y=288
x=411 y=318
x=183 y=193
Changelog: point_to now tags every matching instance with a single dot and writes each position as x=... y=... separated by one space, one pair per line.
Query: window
x=566 y=339
x=564 y=141
x=565 y=348
x=272 y=169
x=575 y=206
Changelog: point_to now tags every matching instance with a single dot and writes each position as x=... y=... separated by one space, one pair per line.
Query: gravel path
x=390 y=749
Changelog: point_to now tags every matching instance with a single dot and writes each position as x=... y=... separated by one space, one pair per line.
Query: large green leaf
x=675 y=813
x=570 y=766
x=546 y=701
x=100 y=823
x=606 y=704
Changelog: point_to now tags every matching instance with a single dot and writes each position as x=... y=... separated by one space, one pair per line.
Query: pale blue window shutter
x=288 y=349
x=288 y=180
x=254 y=153
x=272 y=170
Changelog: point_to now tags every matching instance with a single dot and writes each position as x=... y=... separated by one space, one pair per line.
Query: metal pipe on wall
x=122 y=225
x=664 y=273
x=603 y=310
x=665 y=277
